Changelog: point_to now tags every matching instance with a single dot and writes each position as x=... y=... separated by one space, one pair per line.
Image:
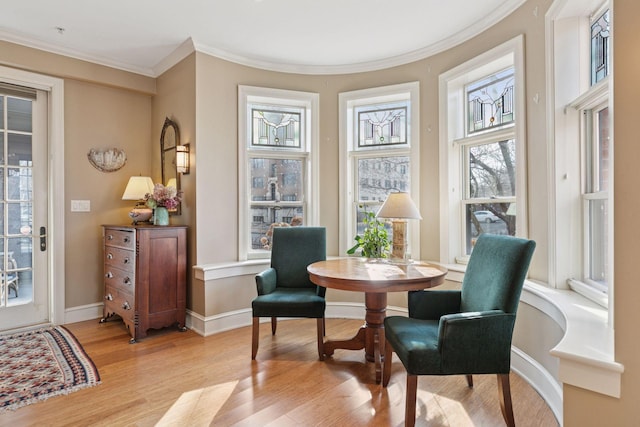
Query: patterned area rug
x=37 y=365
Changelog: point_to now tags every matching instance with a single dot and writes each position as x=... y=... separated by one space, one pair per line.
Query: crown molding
x=72 y=53
x=190 y=45
x=468 y=33
x=185 y=49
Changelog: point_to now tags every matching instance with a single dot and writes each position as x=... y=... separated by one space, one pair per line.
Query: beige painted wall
x=217 y=124
x=98 y=117
x=103 y=108
x=176 y=99
x=217 y=144
x=25 y=58
x=107 y=107
x=213 y=124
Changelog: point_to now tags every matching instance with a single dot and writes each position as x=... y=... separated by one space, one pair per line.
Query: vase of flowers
x=160 y=216
x=162 y=200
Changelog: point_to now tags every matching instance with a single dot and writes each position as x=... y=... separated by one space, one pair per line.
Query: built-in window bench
x=586 y=351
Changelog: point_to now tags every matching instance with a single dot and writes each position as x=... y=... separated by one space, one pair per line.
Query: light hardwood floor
x=182 y=379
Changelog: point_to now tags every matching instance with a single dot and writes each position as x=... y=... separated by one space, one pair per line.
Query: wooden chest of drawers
x=145 y=276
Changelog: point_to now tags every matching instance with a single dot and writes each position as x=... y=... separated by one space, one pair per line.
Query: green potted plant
x=374 y=242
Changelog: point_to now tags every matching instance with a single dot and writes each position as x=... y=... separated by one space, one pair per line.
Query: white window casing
x=307 y=153
x=349 y=155
x=453 y=116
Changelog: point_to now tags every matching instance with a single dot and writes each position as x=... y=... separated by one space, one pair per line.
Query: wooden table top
x=374 y=275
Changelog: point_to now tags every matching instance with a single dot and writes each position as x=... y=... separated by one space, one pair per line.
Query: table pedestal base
x=370 y=336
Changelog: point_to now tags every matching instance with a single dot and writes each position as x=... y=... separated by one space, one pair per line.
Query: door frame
x=55 y=222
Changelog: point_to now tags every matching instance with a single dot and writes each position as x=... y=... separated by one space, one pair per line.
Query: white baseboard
x=540 y=379
x=83 y=312
x=240 y=318
x=211 y=325
x=525 y=366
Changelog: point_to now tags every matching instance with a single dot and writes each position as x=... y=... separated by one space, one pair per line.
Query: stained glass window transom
x=384 y=125
x=600 y=48
x=275 y=128
x=490 y=101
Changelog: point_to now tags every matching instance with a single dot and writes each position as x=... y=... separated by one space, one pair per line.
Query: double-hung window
x=596 y=195
x=596 y=162
x=379 y=152
x=278 y=137
x=482 y=155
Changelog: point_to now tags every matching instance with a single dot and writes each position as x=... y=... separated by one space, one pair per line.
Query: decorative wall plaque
x=107 y=160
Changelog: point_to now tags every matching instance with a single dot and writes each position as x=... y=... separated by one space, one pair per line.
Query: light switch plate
x=81 y=206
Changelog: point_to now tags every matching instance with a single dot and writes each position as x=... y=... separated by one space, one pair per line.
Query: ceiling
x=315 y=37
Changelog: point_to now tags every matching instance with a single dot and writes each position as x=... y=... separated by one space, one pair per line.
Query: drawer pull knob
x=127 y=281
x=110 y=237
x=109 y=255
x=109 y=297
x=126 y=239
x=126 y=260
x=109 y=275
x=126 y=305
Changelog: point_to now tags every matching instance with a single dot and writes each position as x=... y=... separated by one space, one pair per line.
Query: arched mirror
x=169 y=140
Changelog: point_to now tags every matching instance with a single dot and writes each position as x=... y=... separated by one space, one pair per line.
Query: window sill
x=221 y=270
x=586 y=351
x=589 y=292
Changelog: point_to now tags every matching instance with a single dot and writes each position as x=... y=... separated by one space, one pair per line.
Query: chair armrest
x=431 y=305
x=266 y=281
x=476 y=342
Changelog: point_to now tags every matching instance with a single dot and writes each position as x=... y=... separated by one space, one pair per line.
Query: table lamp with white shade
x=399 y=208
x=137 y=188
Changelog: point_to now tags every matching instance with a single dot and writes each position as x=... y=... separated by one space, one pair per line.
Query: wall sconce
x=182 y=159
x=137 y=188
x=399 y=208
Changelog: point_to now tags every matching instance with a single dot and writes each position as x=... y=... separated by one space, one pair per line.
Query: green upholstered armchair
x=466 y=332
x=284 y=290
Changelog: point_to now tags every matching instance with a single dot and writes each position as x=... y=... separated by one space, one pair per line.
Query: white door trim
x=55 y=187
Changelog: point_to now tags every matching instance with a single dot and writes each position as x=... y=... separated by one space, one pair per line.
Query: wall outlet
x=81 y=206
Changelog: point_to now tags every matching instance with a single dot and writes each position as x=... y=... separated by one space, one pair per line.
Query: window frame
x=454 y=137
x=349 y=156
x=570 y=94
x=591 y=193
x=308 y=153
x=593 y=99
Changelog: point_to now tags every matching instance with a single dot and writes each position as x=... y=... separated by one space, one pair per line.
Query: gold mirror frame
x=169 y=140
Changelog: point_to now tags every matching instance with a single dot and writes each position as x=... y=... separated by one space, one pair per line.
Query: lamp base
x=140 y=214
x=399 y=244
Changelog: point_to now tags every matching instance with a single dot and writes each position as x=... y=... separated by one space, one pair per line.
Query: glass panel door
x=23 y=294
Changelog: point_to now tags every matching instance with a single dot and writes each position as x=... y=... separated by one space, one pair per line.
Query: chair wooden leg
x=504 y=391
x=321 y=338
x=274 y=324
x=255 y=333
x=386 y=366
x=469 y=380
x=410 y=405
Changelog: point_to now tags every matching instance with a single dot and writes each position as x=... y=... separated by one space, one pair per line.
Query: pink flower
x=167 y=197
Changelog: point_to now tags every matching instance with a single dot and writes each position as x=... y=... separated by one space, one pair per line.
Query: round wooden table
x=375 y=278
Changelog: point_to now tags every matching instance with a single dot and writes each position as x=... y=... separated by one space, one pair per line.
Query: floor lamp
x=399 y=208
